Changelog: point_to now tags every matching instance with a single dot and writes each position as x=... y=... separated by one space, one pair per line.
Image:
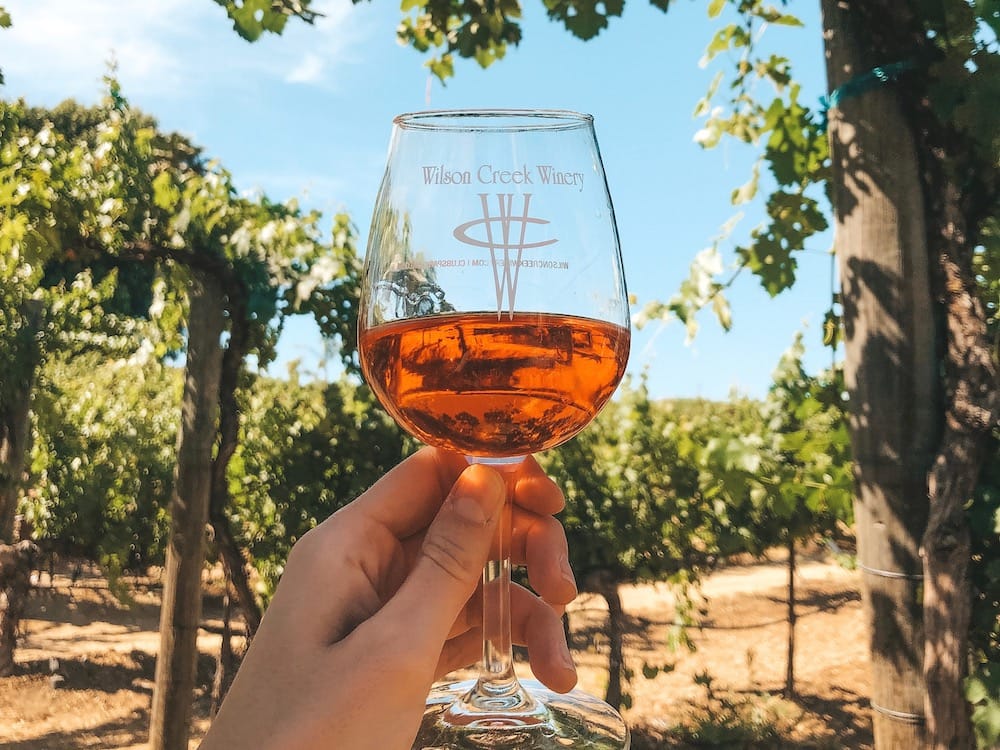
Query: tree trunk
x=15 y=419
x=970 y=414
x=792 y=617
x=181 y=608
x=225 y=666
x=604 y=583
x=235 y=566
x=16 y=564
x=890 y=365
x=16 y=560
x=229 y=425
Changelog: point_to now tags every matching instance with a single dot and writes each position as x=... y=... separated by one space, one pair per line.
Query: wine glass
x=494 y=322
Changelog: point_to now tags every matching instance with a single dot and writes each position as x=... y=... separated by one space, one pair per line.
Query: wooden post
x=792 y=619
x=890 y=366
x=180 y=614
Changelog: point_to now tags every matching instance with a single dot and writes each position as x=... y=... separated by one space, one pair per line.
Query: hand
x=384 y=597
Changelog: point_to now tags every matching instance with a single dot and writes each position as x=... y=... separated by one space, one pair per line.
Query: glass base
x=556 y=721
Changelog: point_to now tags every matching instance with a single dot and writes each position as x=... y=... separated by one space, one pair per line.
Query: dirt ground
x=86 y=661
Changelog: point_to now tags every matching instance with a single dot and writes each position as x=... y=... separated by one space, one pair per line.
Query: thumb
x=451 y=560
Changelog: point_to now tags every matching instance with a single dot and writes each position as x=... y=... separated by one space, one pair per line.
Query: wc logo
x=507 y=233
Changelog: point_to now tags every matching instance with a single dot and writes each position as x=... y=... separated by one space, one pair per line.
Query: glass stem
x=498 y=655
x=497 y=691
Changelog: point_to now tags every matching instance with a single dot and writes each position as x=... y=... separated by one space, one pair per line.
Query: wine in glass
x=494 y=323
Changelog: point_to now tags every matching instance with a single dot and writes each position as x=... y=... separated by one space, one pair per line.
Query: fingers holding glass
x=535 y=624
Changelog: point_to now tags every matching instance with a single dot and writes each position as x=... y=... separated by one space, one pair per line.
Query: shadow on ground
x=845 y=717
x=117 y=733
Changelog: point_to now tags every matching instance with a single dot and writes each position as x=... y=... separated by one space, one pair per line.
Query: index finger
x=408 y=497
x=535 y=491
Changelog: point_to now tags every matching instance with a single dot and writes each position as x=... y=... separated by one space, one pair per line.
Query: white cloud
x=314 y=54
x=309 y=70
x=322 y=191
x=64 y=47
x=163 y=48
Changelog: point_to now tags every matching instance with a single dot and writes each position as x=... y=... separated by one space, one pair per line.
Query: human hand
x=384 y=597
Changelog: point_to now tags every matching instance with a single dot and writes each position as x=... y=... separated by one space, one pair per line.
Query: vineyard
x=143 y=439
x=96 y=692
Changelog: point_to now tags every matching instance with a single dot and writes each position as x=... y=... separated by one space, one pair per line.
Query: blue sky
x=308 y=114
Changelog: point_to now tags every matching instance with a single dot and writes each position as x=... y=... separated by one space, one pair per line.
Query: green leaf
x=166 y=194
x=715 y=7
x=746 y=192
x=443 y=67
x=251 y=18
x=773 y=15
x=832 y=323
x=705 y=103
x=977 y=688
x=720 y=306
x=4 y=24
x=788 y=20
x=583 y=18
x=719 y=43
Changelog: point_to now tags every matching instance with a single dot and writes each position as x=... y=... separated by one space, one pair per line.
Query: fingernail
x=565 y=656
x=477 y=494
x=567 y=571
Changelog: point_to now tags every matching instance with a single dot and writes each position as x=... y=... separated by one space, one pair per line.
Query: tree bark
x=225 y=541
x=970 y=414
x=890 y=364
x=604 y=583
x=235 y=567
x=181 y=609
x=963 y=188
x=16 y=560
x=235 y=292
x=15 y=419
x=960 y=189
x=229 y=426
x=16 y=564
x=226 y=665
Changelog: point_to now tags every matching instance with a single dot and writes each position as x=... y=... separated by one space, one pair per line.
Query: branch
x=229 y=422
x=236 y=292
x=143 y=251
